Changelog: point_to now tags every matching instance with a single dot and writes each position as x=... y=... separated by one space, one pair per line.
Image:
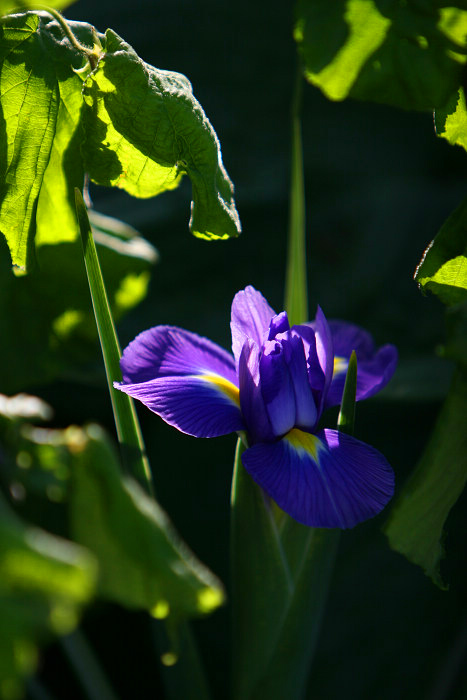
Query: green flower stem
x=296 y=294
x=85 y=665
x=126 y=421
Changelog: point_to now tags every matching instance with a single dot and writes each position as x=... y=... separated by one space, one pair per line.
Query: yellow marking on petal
x=224 y=385
x=340 y=365
x=304 y=442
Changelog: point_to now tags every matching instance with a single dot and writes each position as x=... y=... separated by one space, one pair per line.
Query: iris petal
x=187 y=380
x=294 y=353
x=252 y=403
x=203 y=406
x=251 y=315
x=374 y=367
x=324 y=480
x=277 y=387
x=167 y=351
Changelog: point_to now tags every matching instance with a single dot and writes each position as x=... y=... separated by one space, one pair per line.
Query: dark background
x=378 y=185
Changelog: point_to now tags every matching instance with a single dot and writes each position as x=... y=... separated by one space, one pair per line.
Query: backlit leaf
x=443 y=269
x=451 y=122
x=144 y=130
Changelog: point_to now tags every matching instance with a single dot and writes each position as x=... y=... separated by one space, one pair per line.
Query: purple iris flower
x=274 y=388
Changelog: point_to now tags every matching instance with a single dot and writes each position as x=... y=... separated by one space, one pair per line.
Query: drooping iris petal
x=203 y=406
x=374 y=367
x=324 y=480
x=250 y=318
x=186 y=379
x=277 y=387
x=167 y=351
x=254 y=411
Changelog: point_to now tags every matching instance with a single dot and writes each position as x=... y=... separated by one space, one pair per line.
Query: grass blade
x=346 y=419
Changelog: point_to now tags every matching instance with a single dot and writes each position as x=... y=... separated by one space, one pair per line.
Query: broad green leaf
x=443 y=269
x=280 y=576
x=50 y=309
x=144 y=130
x=56 y=218
x=451 y=122
x=44 y=583
x=415 y=527
x=142 y=562
x=39 y=131
x=407 y=54
x=30 y=101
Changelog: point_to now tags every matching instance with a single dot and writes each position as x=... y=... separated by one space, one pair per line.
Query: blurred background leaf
x=406 y=54
x=415 y=527
x=44 y=584
x=55 y=307
x=142 y=563
x=9 y=6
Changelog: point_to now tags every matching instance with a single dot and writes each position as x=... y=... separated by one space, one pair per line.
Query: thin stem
x=126 y=420
x=91 y=55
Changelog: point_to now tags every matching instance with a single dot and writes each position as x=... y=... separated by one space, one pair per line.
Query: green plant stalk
x=127 y=424
x=296 y=294
x=128 y=431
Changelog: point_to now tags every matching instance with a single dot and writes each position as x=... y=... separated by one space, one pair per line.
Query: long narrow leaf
x=346 y=418
x=128 y=430
x=296 y=295
x=261 y=582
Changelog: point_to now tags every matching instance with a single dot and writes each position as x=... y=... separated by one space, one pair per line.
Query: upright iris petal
x=275 y=387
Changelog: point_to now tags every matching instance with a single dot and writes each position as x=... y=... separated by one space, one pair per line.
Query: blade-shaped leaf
x=261 y=581
x=406 y=54
x=279 y=588
x=142 y=563
x=144 y=130
x=443 y=269
x=44 y=583
x=415 y=527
